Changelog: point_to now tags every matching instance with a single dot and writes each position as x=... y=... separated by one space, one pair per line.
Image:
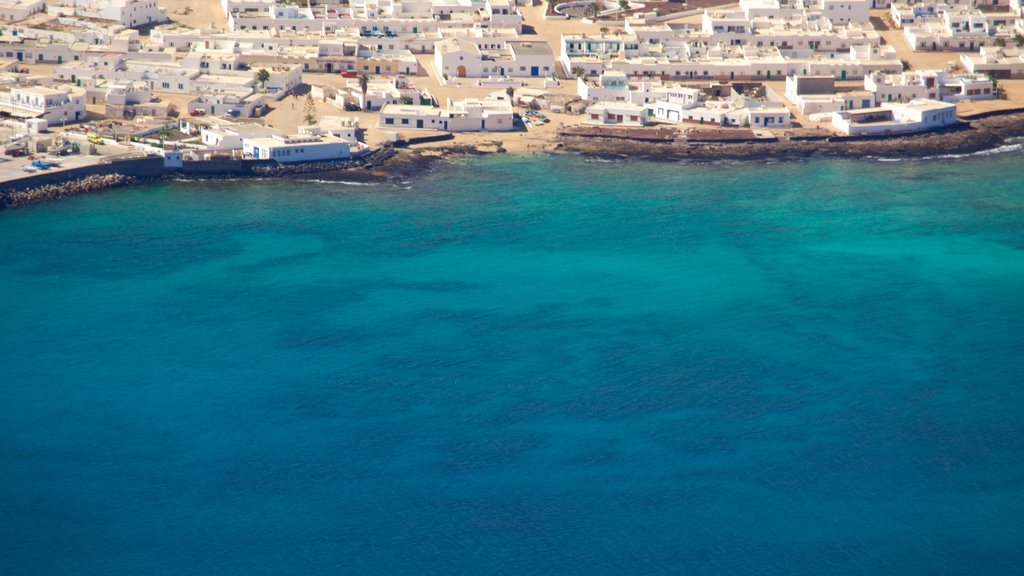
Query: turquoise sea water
x=521 y=366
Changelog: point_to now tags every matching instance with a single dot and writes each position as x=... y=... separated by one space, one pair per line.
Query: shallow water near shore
x=521 y=365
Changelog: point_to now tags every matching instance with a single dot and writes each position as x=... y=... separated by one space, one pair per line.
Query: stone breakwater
x=92 y=183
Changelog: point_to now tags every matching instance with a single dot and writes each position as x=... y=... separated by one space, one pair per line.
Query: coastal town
x=121 y=88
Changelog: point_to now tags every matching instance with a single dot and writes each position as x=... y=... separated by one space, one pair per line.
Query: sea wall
x=43 y=186
x=135 y=167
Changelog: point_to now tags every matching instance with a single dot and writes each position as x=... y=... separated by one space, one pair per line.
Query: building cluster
x=757 y=64
x=651 y=71
x=955 y=24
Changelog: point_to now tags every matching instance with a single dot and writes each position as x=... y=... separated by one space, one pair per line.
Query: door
x=60 y=59
x=419 y=123
x=20 y=56
x=843 y=74
x=376 y=70
x=460 y=71
x=534 y=71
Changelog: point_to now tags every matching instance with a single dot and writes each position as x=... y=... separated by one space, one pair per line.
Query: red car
x=349 y=74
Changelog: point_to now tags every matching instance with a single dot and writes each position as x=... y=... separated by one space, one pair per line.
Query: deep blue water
x=521 y=366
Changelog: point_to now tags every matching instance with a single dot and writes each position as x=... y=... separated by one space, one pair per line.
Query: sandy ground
x=199 y=13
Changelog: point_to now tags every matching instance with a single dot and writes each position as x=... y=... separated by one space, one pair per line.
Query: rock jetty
x=42 y=193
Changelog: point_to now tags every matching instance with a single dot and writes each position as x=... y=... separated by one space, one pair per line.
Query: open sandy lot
x=198 y=13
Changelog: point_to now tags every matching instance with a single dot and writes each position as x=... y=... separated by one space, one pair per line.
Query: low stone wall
x=425 y=139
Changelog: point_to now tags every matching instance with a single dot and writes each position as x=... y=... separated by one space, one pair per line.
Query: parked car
x=198 y=112
x=349 y=74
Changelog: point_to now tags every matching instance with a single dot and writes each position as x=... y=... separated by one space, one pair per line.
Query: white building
x=893 y=118
x=298 y=148
x=458 y=58
x=1000 y=62
x=678 y=101
x=55 y=105
x=230 y=136
x=616 y=113
x=344 y=127
x=469 y=115
x=18 y=10
x=130 y=13
x=929 y=84
x=611 y=86
x=845 y=11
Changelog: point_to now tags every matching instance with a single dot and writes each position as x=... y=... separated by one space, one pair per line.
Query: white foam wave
x=342 y=182
x=1004 y=149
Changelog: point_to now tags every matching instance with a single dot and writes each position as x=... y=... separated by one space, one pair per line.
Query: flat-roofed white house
x=344 y=127
x=1000 y=62
x=610 y=86
x=401 y=116
x=296 y=148
x=65 y=104
x=130 y=13
x=503 y=14
x=931 y=84
x=764 y=114
x=230 y=136
x=618 y=113
x=530 y=59
x=480 y=115
x=895 y=117
x=845 y=11
x=18 y=10
x=677 y=101
x=469 y=115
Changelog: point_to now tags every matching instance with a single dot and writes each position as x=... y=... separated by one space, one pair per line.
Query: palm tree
x=309 y=111
x=604 y=30
x=591 y=10
x=364 y=85
x=262 y=76
x=623 y=5
x=1018 y=39
x=511 y=93
x=578 y=71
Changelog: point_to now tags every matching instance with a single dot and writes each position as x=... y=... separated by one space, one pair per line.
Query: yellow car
x=94 y=138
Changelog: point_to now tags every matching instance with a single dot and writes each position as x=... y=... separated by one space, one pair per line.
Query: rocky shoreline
x=977 y=135
x=392 y=164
